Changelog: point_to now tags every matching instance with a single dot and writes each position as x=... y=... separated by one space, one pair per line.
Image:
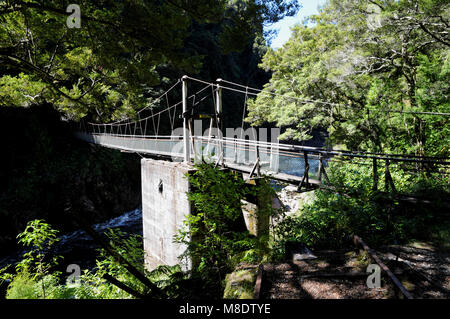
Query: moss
x=408 y=285
x=240 y=284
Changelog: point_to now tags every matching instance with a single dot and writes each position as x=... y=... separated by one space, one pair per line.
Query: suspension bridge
x=250 y=151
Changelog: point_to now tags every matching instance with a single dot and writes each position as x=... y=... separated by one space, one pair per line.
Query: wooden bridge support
x=322 y=170
x=388 y=181
x=305 y=184
x=375 y=175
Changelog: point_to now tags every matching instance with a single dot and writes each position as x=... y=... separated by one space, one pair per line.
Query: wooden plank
x=417 y=272
x=358 y=241
x=334 y=275
x=258 y=284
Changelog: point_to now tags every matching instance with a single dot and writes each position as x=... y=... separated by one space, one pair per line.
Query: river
x=77 y=247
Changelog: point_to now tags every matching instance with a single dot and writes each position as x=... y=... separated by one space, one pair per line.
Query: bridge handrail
x=281 y=148
x=330 y=153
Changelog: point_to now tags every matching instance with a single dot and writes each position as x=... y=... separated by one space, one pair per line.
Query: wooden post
x=187 y=155
x=375 y=174
x=388 y=178
x=324 y=172
x=257 y=291
x=306 y=172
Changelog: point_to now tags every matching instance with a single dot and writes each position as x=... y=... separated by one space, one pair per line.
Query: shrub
x=333 y=217
x=215 y=234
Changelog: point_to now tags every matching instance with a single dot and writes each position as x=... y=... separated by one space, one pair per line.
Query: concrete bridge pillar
x=164 y=208
x=256 y=211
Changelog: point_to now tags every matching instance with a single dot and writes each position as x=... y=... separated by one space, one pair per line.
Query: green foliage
x=37 y=279
x=215 y=234
x=33 y=277
x=40 y=237
x=333 y=217
x=23 y=287
x=93 y=285
x=360 y=60
x=108 y=68
x=168 y=278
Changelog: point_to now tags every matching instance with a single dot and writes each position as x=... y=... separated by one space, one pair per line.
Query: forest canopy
x=108 y=64
x=371 y=73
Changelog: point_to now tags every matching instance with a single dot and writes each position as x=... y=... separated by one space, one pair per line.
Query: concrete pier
x=164 y=209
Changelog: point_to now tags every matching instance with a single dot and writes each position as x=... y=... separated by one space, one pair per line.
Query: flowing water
x=79 y=248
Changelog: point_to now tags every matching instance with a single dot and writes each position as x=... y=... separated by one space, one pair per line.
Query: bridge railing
x=272 y=158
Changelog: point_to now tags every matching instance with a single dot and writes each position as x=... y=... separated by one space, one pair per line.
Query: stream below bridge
x=79 y=248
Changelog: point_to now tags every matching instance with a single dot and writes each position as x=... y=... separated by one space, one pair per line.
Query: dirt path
x=341 y=274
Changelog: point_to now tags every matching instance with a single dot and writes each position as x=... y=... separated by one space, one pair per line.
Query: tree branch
x=157 y=292
x=124 y=287
x=422 y=26
x=19 y=5
x=48 y=78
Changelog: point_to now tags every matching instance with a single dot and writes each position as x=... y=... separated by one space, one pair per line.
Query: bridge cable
x=243 y=112
x=320 y=102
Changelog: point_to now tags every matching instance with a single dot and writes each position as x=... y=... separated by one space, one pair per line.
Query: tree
x=361 y=63
x=107 y=68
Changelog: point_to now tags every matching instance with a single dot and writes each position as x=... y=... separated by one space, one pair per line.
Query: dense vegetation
x=375 y=75
x=219 y=242
x=356 y=68
x=109 y=67
x=330 y=219
x=37 y=276
x=215 y=234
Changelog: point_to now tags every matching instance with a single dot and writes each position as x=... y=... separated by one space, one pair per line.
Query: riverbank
x=79 y=248
x=44 y=170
